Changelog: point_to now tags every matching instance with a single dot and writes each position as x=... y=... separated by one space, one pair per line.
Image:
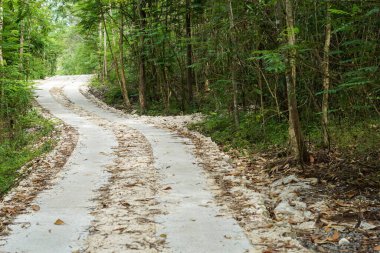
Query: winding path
x=189 y=221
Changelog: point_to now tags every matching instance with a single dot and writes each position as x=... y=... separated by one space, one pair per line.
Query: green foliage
x=80 y=54
x=29 y=48
x=252 y=133
x=274 y=61
x=255 y=50
x=17 y=151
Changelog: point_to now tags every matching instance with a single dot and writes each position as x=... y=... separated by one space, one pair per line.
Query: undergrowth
x=359 y=138
x=22 y=146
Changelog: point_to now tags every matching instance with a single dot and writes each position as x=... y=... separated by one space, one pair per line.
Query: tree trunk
x=21 y=52
x=295 y=133
x=233 y=65
x=142 y=77
x=100 y=44
x=1 y=33
x=189 y=53
x=105 y=68
x=326 y=79
x=122 y=71
x=117 y=68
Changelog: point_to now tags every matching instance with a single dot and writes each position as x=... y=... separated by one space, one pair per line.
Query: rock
x=286 y=180
x=285 y=211
x=306 y=225
x=313 y=180
x=367 y=226
x=299 y=205
x=343 y=242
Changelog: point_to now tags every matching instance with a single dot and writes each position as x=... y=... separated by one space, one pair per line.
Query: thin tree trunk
x=295 y=134
x=21 y=52
x=105 y=68
x=1 y=33
x=117 y=68
x=260 y=83
x=1 y=65
x=100 y=44
x=122 y=71
x=233 y=65
x=142 y=77
x=326 y=78
x=189 y=53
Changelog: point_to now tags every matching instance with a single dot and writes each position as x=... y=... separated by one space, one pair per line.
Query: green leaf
x=338 y=12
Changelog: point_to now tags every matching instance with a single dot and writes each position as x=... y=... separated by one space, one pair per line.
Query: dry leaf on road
x=59 y=222
x=36 y=208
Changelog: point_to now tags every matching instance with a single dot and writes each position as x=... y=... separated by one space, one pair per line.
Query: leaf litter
x=38 y=174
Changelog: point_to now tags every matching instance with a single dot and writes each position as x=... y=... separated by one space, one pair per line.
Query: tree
x=297 y=143
x=142 y=76
x=233 y=64
x=326 y=77
x=189 y=53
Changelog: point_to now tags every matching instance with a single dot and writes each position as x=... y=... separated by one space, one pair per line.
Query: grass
x=20 y=149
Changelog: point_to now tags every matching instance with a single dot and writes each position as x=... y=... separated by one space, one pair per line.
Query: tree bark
x=233 y=65
x=100 y=44
x=21 y=52
x=1 y=33
x=295 y=133
x=189 y=53
x=326 y=79
x=142 y=77
x=117 y=68
x=123 y=83
x=105 y=68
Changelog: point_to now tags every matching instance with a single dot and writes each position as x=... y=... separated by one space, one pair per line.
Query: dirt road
x=127 y=187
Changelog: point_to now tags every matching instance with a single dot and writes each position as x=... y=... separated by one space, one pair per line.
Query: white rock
x=306 y=225
x=299 y=205
x=286 y=180
x=313 y=180
x=343 y=241
x=285 y=211
x=367 y=226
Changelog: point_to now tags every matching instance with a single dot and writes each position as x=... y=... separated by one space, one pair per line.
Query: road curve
x=191 y=221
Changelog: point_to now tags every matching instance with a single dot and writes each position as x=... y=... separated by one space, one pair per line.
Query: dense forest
x=266 y=73
x=29 y=49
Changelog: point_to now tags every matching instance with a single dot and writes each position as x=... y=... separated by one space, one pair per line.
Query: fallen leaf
x=312 y=159
x=125 y=204
x=334 y=237
x=59 y=222
x=377 y=248
x=342 y=204
x=163 y=235
x=36 y=208
x=320 y=241
x=167 y=188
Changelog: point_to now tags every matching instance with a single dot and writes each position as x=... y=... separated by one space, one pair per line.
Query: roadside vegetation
x=274 y=75
x=24 y=146
x=28 y=50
